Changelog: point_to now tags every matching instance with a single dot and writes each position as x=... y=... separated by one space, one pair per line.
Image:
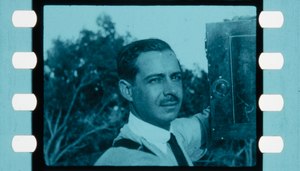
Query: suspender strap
x=128 y=143
x=181 y=160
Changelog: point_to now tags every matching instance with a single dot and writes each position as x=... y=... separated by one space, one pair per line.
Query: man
x=151 y=80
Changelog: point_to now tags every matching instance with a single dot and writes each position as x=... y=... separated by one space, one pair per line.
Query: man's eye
x=154 y=80
x=177 y=78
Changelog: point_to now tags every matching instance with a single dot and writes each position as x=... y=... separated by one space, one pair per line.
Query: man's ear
x=126 y=89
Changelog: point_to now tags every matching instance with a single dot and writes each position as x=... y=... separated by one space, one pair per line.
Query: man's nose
x=169 y=87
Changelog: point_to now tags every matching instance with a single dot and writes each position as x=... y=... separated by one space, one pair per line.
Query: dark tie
x=181 y=160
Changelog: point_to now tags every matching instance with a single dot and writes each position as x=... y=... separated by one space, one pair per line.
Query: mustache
x=170 y=98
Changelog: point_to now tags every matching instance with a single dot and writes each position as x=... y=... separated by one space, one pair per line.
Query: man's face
x=157 y=90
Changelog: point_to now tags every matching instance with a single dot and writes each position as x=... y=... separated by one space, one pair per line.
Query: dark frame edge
x=38 y=87
x=38 y=163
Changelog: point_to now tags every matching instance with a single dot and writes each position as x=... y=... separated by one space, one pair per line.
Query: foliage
x=196 y=91
x=82 y=107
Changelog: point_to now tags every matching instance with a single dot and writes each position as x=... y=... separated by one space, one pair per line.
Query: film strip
x=29 y=102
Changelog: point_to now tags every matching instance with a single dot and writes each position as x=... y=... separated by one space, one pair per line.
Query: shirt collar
x=151 y=133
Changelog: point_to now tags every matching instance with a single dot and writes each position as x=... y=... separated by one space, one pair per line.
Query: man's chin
x=170 y=115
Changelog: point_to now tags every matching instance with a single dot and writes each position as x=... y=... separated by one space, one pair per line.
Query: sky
x=183 y=27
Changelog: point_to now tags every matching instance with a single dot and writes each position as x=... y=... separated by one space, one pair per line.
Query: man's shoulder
x=190 y=123
x=122 y=156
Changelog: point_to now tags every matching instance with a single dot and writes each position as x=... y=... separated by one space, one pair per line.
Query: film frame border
x=38 y=163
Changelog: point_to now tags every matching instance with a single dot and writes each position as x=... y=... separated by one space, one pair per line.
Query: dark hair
x=128 y=55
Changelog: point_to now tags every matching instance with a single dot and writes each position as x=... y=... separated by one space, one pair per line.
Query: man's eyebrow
x=176 y=73
x=154 y=75
x=161 y=75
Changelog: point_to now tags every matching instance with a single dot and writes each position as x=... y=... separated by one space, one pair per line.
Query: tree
x=196 y=91
x=81 y=98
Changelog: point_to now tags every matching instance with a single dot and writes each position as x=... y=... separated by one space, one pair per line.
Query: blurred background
x=83 y=110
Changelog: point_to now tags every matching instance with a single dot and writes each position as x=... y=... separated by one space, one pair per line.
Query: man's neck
x=147 y=130
x=162 y=126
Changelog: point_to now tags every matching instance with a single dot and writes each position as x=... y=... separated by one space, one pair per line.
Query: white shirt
x=186 y=130
x=153 y=134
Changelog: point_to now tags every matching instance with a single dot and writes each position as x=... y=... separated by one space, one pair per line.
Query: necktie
x=181 y=160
